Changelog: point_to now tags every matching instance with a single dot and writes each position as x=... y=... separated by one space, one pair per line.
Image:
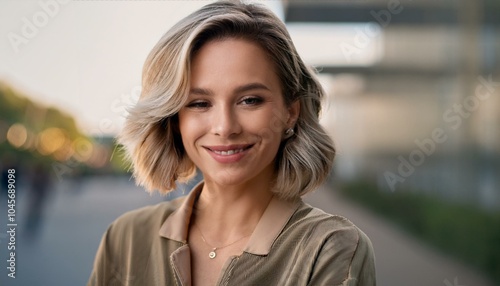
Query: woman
x=224 y=91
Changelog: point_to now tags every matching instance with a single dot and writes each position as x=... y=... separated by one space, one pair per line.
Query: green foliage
x=118 y=160
x=468 y=233
x=16 y=108
x=11 y=104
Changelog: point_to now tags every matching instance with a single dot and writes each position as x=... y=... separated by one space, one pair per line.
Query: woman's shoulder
x=340 y=251
x=327 y=227
x=309 y=215
x=330 y=249
x=146 y=218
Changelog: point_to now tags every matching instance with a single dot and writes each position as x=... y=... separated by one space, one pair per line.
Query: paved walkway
x=401 y=260
x=77 y=213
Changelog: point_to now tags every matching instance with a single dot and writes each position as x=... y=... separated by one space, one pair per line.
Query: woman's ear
x=293 y=113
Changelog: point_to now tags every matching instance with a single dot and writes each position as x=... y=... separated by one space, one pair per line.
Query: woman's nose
x=225 y=122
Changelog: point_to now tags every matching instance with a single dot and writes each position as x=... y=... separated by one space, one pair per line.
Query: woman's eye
x=252 y=101
x=198 y=104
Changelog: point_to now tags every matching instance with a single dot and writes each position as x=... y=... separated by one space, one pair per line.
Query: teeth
x=228 y=152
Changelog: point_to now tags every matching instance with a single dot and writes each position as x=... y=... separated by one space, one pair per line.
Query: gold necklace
x=212 y=254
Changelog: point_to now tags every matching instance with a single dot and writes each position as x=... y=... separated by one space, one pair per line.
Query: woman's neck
x=225 y=213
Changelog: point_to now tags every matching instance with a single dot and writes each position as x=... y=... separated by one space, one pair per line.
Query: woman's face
x=234 y=118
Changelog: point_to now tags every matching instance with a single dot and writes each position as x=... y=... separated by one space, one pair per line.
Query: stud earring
x=289 y=133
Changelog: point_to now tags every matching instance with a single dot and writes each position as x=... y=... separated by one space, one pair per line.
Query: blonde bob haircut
x=150 y=136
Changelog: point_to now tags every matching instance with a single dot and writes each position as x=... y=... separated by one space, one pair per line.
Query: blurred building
x=414 y=91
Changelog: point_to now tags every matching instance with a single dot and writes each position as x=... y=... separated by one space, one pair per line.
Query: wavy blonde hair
x=150 y=136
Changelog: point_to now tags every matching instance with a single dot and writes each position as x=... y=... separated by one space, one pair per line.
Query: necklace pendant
x=212 y=254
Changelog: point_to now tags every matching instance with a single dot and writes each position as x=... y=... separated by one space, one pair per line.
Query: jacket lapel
x=180 y=261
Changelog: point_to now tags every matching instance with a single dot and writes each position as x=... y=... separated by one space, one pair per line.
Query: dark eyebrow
x=240 y=89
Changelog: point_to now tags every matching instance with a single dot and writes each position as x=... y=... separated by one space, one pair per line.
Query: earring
x=289 y=133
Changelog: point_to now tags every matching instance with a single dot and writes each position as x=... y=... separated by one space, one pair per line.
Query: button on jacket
x=292 y=244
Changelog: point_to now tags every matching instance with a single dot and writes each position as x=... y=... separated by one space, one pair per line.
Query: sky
x=85 y=57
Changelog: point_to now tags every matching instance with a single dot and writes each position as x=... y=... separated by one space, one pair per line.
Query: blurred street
x=77 y=213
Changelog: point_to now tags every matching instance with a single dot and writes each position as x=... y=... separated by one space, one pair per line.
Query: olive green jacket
x=293 y=244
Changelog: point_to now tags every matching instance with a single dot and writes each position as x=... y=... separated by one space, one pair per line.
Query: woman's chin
x=226 y=178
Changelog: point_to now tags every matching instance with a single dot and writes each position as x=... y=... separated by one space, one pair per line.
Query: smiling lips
x=228 y=154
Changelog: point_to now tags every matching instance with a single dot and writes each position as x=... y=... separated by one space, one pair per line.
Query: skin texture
x=235 y=104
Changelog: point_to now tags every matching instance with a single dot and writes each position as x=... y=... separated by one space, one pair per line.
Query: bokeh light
x=50 y=140
x=83 y=149
x=17 y=135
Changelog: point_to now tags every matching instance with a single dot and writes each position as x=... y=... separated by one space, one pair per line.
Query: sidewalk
x=401 y=260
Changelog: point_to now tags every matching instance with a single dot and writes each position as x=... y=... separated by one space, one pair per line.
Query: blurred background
x=413 y=106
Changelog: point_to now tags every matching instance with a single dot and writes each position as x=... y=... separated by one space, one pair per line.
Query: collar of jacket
x=270 y=225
